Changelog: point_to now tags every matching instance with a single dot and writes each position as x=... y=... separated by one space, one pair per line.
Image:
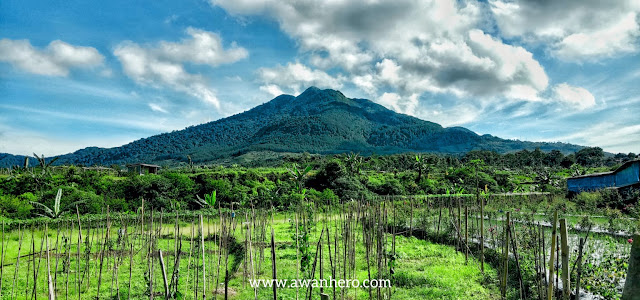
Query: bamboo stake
x=55 y=272
x=459 y=222
x=566 y=289
x=2 y=260
x=36 y=269
x=52 y=292
x=189 y=260
x=411 y=218
x=481 y=232
x=164 y=275
x=253 y=274
x=466 y=234
x=552 y=255
x=130 y=269
x=273 y=261
x=15 y=273
x=505 y=261
x=204 y=278
x=33 y=250
x=78 y=252
x=67 y=264
x=514 y=245
x=556 y=291
x=580 y=248
x=297 y=256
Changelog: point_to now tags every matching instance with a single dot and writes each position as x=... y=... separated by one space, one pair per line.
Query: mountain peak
x=316 y=121
x=316 y=95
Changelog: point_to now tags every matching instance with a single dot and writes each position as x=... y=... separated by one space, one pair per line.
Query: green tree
x=590 y=156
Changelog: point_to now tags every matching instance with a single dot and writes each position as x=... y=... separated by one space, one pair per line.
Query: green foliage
x=16 y=207
x=590 y=156
x=209 y=200
x=603 y=271
x=57 y=210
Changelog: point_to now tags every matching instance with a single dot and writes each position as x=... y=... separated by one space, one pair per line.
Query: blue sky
x=75 y=74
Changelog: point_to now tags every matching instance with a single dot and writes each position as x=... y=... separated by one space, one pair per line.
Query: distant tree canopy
x=590 y=156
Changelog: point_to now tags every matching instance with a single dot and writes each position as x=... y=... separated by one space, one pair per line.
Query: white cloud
x=163 y=65
x=202 y=47
x=294 y=78
x=610 y=136
x=405 y=105
x=404 y=46
x=619 y=38
x=272 y=89
x=157 y=107
x=26 y=142
x=574 y=30
x=55 y=60
x=577 y=97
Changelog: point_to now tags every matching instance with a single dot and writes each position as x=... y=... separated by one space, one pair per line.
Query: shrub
x=588 y=200
x=16 y=207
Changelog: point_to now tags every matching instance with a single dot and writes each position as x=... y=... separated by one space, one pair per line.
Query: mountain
x=317 y=121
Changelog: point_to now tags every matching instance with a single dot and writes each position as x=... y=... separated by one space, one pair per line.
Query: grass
x=423 y=270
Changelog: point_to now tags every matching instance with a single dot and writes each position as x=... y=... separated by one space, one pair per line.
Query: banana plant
x=354 y=162
x=298 y=176
x=57 y=211
x=208 y=201
x=43 y=163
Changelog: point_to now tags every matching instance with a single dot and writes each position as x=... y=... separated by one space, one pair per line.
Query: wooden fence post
x=566 y=284
x=164 y=274
x=481 y=233
x=579 y=274
x=466 y=234
x=552 y=255
x=506 y=255
x=632 y=285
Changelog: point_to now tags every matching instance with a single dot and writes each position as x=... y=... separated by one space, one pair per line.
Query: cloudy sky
x=103 y=73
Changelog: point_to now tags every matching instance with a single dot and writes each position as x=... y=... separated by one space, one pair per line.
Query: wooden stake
x=579 y=262
x=130 y=269
x=164 y=275
x=505 y=261
x=52 y=292
x=481 y=232
x=466 y=234
x=273 y=262
x=552 y=255
x=2 y=259
x=204 y=282
x=566 y=284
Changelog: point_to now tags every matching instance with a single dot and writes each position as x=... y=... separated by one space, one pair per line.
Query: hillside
x=317 y=121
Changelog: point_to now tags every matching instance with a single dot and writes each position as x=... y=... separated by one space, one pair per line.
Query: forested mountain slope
x=317 y=121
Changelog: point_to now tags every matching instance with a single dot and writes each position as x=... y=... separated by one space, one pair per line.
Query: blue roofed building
x=626 y=176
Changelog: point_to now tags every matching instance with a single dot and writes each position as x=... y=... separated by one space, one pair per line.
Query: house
x=143 y=168
x=626 y=176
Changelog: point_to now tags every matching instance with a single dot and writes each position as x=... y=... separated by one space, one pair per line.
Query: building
x=143 y=169
x=626 y=176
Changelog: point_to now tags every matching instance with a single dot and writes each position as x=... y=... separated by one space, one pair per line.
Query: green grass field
x=423 y=270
